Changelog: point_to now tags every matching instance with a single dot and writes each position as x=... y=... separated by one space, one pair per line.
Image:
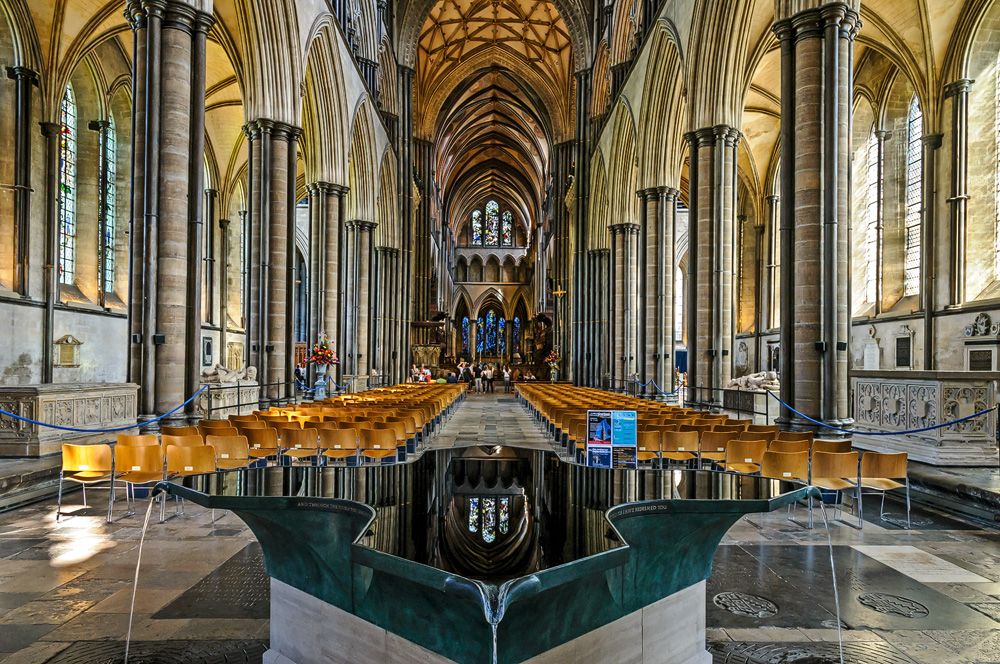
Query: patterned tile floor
x=925 y=596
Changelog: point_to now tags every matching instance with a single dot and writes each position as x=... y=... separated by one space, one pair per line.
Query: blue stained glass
x=489 y=520
x=502 y=335
x=515 y=341
x=465 y=334
x=479 y=335
x=504 y=515
x=491 y=332
x=492 y=223
x=473 y=515
x=508 y=229
x=477 y=227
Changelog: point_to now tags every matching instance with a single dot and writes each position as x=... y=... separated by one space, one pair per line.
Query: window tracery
x=67 y=188
x=911 y=259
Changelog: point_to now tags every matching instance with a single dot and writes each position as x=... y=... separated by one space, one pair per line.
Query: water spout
x=495 y=598
x=135 y=581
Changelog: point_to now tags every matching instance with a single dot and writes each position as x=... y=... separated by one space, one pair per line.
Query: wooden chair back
x=788 y=446
x=144 y=440
x=182 y=441
x=144 y=459
x=786 y=465
x=679 y=441
x=378 y=439
x=795 y=435
x=295 y=439
x=835 y=446
x=716 y=441
x=229 y=447
x=745 y=451
x=95 y=459
x=180 y=431
x=648 y=441
x=766 y=436
x=883 y=465
x=265 y=439
x=242 y=418
x=338 y=439
x=190 y=460
x=763 y=428
x=835 y=465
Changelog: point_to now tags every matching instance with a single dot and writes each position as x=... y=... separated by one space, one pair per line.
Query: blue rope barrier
x=880 y=433
x=312 y=389
x=657 y=387
x=342 y=387
x=133 y=426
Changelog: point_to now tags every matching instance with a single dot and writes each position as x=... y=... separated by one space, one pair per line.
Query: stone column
x=646 y=314
x=276 y=312
x=136 y=18
x=224 y=244
x=816 y=79
x=51 y=131
x=605 y=324
x=760 y=268
x=617 y=304
x=213 y=277
x=291 y=266
x=405 y=183
x=101 y=126
x=423 y=169
x=581 y=178
x=666 y=212
x=316 y=193
x=881 y=136
x=258 y=134
x=959 y=199
x=928 y=229
x=173 y=219
x=331 y=265
x=24 y=79
x=624 y=316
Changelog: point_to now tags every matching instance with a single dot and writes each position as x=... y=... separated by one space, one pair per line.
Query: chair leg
x=111 y=498
x=59 y=499
x=908 y=503
x=861 y=522
x=83 y=487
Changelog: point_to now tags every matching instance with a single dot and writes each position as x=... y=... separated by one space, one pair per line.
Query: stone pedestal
x=80 y=405
x=306 y=630
x=221 y=400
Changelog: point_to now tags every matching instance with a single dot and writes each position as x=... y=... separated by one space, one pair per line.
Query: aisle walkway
x=490 y=419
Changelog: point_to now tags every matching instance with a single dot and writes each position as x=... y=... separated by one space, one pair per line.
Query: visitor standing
x=488 y=375
x=478 y=373
x=506 y=378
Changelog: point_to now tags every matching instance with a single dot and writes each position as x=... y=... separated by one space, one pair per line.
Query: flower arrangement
x=552 y=359
x=322 y=353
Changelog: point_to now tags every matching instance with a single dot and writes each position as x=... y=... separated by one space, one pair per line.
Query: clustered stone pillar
x=816 y=47
x=656 y=288
x=384 y=302
x=565 y=255
x=167 y=181
x=423 y=156
x=712 y=224
x=405 y=183
x=579 y=241
x=625 y=267
x=271 y=197
x=958 y=91
x=928 y=230
x=357 y=304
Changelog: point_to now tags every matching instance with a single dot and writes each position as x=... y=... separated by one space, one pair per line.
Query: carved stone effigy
x=78 y=405
x=909 y=404
x=230 y=392
x=429 y=355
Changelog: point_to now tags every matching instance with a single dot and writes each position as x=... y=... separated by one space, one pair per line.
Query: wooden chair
x=731 y=422
x=729 y=428
x=399 y=429
x=263 y=443
x=86 y=465
x=242 y=418
x=180 y=431
x=301 y=444
x=182 y=441
x=700 y=428
x=213 y=424
x=679 y=446
x=184 y=461
x=378 y=445
x=834 y=446
x=339 y=444
x=880 y=473
x=144 y=440
x=766 y=436
x=745 y=456
x=838 y=471
x=648 y=447
x=795 y=435
x=788 y=446
x=713 y=446
x=763 y=428
x=142 y=465
x=231 y=452
x=789 y=466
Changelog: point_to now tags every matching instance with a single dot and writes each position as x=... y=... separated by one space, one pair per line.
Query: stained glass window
x=504 y=515
x=911 y=259
x=491 y=332
x=508 y=228
x=502 y=336
x=67 y=189
x=473 y=515
x=489 y=520
x=465 y=334
x=515 y=337
x=477 y=227
x=479 y=335
x=492 y=223
x=110 y=204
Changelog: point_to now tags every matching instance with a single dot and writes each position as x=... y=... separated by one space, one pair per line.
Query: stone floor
x=930 y=595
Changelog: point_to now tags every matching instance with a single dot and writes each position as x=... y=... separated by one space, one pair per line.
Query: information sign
x=611 y=438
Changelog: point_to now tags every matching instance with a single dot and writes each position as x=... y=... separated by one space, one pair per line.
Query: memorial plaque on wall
x=611 y=438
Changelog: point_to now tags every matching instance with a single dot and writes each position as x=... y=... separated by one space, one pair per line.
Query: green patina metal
x=314 y=545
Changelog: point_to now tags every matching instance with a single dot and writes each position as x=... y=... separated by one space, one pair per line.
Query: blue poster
x=611 y=438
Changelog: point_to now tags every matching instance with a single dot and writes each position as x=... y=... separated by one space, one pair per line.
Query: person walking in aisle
x=478 y=373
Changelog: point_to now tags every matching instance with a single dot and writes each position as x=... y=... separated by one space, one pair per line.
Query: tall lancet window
x=914 y=202
x=477 y=227
x=492 y=223
x=871 y=218
x=67 y=189
x=110 y=204
x=507 y=237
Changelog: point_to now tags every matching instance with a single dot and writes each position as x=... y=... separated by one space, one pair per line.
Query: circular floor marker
x=893 y=605
x=744 y=604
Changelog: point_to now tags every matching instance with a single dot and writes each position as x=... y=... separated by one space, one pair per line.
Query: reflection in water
x=490 y=513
